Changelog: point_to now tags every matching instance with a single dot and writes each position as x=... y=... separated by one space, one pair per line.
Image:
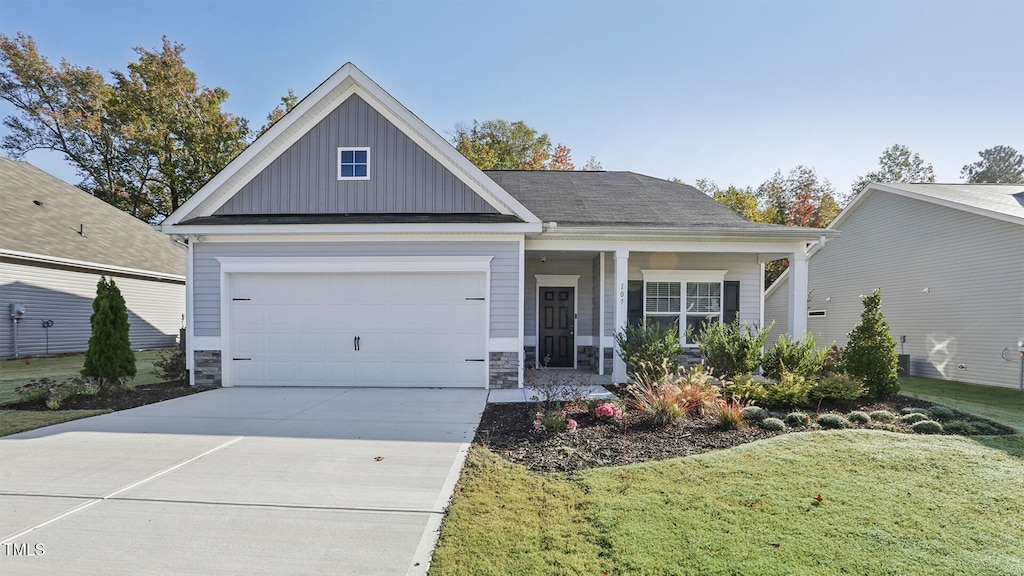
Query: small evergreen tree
x=870 y=354
x=109 y=359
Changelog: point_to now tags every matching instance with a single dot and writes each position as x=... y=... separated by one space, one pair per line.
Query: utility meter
x=18 y=311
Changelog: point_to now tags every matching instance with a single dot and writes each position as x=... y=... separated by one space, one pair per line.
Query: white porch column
x=621 y=311
x=797 y=294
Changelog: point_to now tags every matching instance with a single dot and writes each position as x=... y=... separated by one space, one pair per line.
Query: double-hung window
x=353 y=163
x=687 y=299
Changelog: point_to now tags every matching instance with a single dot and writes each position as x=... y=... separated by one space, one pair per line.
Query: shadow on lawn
x=1012 y=444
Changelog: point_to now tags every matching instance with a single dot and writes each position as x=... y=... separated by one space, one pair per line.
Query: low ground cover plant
x=55 y=393
x=832 y=421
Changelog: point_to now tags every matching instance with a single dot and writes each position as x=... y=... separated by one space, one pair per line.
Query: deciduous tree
x=502 y=145
x=897 y=164
x=561 y=159
x=288 y=101
x=998 y=165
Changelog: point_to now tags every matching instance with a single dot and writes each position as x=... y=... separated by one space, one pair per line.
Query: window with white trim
x=685 y=299
x=353 y=163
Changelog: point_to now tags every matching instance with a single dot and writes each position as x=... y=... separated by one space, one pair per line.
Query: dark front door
x=557 y=327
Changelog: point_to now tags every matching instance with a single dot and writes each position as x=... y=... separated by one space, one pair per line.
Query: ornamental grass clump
x=834 y=421
x=883 y=416
x=773 y=424
x=927 y=427
x=858 y=417
x=668 y=399
x=797 y=420
x=730 y=414
x=913 y=418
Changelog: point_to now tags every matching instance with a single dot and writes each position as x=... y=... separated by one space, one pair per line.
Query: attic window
x=353 y=163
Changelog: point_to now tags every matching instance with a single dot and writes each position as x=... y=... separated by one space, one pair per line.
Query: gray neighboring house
x=949 y=259
x=351 y=245
x=55 y=243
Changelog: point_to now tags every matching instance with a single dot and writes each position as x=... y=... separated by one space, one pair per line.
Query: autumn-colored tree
x=144 y=143
x=897 y=164
x=502 y=145
x=998 y=165
x=561 y=159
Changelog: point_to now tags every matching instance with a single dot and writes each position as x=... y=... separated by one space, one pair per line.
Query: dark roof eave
x=781 y=232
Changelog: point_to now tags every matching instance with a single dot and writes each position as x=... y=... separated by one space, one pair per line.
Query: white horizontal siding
x=973 y=267
x=504 y=297
x=65 y=296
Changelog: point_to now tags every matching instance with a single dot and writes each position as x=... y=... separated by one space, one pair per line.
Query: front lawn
x=19 y=371
x=890 y=503
x=1004 y=405
x=14 y=421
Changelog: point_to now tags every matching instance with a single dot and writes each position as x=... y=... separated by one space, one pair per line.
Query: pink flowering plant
x=608 y=412
x=552 y=421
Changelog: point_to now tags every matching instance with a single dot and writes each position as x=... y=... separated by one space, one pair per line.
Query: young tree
x=288 y=101
x=896 y=164
x=998 y=165
x=592 y=165
x=109 y=359
x=870 y=354
x=561 y=159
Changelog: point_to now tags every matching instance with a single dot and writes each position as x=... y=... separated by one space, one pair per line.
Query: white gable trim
x=348 y=80
x=875 y=187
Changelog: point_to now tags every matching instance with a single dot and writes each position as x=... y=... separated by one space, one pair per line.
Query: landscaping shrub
x=883 y=416
x=790 y=390
x=651 y=351
x=553 y=421
x=941 y=413
x=913 y=418
x=984 y=428
x=610 y=412
x=797 y=420
x=731 y=349
x=754 y=413
x=730 y=414
x=555 y=388
x=801 y=357
x=961 y=427
x=927 y=427
x=746 y=388
x=109 y=359
x=858 y=417
x=697 y=387
x=773 y=424
x=870 y=354
x=54 y=393
x=833 y=421
x=170 y=365
x=841 y=387
x=913 y=410
x=666 y=400
x=833 y=360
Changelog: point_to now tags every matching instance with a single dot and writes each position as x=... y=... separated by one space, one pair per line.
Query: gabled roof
x=1000 y=201
x=626 y=200
x=348 y=80
x=41 y=216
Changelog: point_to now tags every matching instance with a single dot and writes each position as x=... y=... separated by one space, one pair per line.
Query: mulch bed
x=507 y=430
x=140 y=396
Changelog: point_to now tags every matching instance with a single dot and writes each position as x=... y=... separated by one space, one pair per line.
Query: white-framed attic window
x=354 y=163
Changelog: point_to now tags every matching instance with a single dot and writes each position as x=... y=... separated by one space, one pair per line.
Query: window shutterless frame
x=354 y=163
x=684 y=297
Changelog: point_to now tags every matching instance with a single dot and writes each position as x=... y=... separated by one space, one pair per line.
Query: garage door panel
x=249 y=372
x=248 y=345
x=469 y=374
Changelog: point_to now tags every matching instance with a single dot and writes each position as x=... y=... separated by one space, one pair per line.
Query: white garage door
x=358 y=329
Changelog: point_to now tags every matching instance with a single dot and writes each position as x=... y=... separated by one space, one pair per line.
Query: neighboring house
x=55 y=243
x=352 y=245
x=949 y=259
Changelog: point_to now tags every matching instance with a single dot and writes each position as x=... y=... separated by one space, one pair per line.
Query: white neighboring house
x=55 y=243
x=949 y=260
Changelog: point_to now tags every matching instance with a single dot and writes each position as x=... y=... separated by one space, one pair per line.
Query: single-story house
x=949 y=260
x=352 y=245
x=55 y=242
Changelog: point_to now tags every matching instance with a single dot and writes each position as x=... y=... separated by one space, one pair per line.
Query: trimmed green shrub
x=870 y=354
x=754 y=413
x=797 y=420
x=801 y=357
x=927 y=427
x=984 y=428
x=746 y=388
x=109 y=359
x=961 y=427
x=912 y=410
x=773 y=424
x=883 y=416
x=731 y=349
x=651 y=351
x=170 y=365
x=790 y=390
x=858 y=417
x=941 y=413
x=837 y=387
x=833 y=421
x=913 y=418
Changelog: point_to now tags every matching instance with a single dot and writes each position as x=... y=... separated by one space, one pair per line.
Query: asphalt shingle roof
x=619 y=200
x=41 y=214
x=1005 y=199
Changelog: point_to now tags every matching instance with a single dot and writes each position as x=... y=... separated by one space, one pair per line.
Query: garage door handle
x=241 y=358
x=355 y=343
x=474 y=359
x=476 y=298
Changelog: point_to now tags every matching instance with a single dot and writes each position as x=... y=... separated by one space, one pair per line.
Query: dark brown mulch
x=140 y=396
x=507 y=430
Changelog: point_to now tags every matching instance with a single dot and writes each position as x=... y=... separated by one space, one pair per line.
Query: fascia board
x=281 y=229
x=42 y=258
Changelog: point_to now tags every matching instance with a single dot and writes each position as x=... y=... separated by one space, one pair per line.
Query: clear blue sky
x=729 y=90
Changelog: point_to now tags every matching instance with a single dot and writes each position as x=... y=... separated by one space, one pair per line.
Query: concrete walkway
x=238 y=481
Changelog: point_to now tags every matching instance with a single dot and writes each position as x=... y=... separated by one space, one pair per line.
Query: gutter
x=88 y=265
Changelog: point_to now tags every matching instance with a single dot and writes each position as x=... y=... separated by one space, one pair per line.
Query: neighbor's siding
x=65 y=296
x=972 y=265
x=403 y=177
x=504 y=298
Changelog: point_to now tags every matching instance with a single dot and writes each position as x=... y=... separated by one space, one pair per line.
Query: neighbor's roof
x=621 y=200
x=1000 y=201
x=41 y=215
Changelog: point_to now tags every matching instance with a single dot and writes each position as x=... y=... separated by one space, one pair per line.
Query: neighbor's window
x=353 y=163
x=667 y=303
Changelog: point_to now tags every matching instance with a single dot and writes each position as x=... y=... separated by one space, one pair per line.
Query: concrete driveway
x=238 y=481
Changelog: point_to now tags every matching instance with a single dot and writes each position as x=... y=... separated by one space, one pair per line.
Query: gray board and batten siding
x=404 y=178
x=504 y=297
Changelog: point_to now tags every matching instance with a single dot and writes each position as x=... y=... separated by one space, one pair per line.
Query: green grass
x=16 y=372
x=891 y=504
x=1004 y=405
x=14 y=421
